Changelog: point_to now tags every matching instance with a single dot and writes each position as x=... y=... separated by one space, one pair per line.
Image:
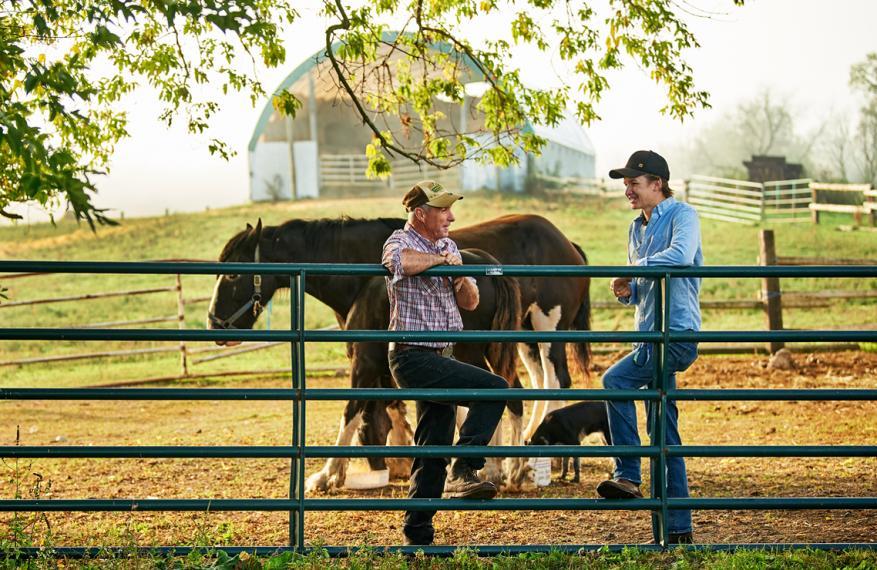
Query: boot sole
x=484 y=492
x=607 y=490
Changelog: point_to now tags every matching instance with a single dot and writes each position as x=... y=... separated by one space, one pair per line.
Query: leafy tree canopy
x=863 y=77
x=66 y=64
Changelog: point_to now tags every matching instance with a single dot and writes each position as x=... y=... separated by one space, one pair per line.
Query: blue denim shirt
x=671 y=238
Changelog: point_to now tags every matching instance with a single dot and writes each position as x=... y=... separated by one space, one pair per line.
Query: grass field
x=599 y=225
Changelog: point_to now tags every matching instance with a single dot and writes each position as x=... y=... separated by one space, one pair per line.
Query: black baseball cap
x=643 y=162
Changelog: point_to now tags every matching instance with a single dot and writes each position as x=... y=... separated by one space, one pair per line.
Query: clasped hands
x=620 y=287
x=449 y=258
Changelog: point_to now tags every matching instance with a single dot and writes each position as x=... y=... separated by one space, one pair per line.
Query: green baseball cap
x=429 y=193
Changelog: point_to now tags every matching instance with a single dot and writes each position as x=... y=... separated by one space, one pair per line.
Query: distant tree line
x=839 y=148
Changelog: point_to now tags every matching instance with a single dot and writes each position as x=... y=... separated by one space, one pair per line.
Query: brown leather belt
x=401 y=346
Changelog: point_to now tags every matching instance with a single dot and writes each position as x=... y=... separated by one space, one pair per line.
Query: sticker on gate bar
x=493 y=270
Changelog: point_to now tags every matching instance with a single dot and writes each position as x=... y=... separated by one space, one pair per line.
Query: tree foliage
x=863 y=77
x=66 y=64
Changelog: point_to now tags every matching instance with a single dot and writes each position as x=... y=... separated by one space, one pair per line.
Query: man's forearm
x=466 y=293
x=414 y=262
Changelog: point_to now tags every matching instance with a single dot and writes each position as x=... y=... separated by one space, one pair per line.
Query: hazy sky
x=801 y=49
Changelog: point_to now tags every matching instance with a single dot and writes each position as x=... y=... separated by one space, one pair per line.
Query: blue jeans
x=633 y=372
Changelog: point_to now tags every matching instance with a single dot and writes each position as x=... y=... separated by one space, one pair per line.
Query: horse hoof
x=400 y=467
x=318 y=482
x=492 y=472
x=518 y=476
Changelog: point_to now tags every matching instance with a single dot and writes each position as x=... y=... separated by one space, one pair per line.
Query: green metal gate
x=659 y=504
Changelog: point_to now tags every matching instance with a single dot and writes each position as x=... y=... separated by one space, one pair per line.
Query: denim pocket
x=642 y=355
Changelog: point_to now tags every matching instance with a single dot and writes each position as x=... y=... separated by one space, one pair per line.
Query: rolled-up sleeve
x=392 y=258
x=451 y=247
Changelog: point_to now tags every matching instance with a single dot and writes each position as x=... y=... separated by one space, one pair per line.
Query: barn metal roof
x=568 y=132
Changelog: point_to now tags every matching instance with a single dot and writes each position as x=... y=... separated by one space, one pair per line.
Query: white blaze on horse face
x=212 y=311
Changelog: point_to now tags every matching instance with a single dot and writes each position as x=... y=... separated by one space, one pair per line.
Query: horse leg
x=374 y=429
x=333 y=473
x=516 y=467
x=550 y=358
x=529 y=354
x=400 y=434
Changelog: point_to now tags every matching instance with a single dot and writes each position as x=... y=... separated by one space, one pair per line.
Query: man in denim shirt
x=666 y=233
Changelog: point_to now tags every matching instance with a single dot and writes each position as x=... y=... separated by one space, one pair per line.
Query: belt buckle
x=448 y=351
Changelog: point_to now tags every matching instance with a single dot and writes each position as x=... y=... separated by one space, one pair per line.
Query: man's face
x=642 y=193
x=436 y=222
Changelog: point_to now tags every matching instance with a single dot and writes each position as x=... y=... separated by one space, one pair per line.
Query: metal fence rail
x=298 y=394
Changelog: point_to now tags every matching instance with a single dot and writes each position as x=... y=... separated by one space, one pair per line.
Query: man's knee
x=499 y=383
x=611 y=381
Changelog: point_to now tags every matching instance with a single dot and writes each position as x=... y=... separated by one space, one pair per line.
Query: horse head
x=239 y=299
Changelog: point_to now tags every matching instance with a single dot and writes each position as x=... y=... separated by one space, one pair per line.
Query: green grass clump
x=466 y=559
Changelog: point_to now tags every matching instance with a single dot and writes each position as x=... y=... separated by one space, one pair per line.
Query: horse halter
x=255 y=302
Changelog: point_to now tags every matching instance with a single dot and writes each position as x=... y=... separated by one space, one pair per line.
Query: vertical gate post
x=181 y=324
x=657 y=422
x=296 y=467
x=302 y=409
x=771 y=296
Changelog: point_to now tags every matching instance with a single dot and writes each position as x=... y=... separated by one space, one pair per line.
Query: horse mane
x=316 y=233
x=233 y=244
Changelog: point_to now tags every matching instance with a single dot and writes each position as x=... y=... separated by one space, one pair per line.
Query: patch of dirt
x=268 y=423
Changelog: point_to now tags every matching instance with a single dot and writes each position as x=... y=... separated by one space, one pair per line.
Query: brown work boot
x=465 y=484
x=619 y=489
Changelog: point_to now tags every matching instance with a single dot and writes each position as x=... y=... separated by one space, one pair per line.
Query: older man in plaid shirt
x=421 y=303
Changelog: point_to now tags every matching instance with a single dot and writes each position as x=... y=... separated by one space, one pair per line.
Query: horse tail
x=582 y=321
x=503 y=356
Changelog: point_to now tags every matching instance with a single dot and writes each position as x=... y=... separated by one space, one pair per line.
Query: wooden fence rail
x=772 y=295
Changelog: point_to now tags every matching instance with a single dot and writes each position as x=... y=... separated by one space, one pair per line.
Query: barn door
x=307 y=169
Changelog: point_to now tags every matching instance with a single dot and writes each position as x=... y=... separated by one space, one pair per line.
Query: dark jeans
x=436 y=422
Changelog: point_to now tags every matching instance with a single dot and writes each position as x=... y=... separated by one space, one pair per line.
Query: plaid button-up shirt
x=420 y=303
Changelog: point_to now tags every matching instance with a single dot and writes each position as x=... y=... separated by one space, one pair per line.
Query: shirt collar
x=658 y=211
x=414 y=233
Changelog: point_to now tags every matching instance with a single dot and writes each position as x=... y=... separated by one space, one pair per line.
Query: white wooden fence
x=725 y=199
x=778 y=201
x=348 y=171
x=855 y=199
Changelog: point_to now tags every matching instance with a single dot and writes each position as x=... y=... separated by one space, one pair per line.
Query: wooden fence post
x=771 y=296
x=181 y=322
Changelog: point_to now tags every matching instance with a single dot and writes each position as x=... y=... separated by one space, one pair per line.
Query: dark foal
x=569 y=426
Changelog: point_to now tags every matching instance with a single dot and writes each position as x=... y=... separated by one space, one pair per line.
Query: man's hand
x=451 y=259
x=620 y=287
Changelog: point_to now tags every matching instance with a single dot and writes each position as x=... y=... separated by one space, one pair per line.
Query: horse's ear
x=258 y=231
x=249 y=226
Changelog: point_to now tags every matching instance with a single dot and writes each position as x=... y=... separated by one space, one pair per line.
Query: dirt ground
x=268 y=423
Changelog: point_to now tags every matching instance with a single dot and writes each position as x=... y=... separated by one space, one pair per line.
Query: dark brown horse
x=360 y=302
